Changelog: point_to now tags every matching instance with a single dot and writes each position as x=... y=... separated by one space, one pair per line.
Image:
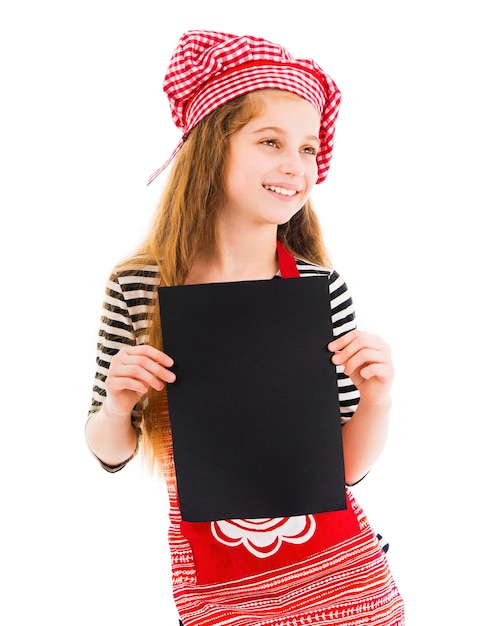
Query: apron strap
x=286 y=261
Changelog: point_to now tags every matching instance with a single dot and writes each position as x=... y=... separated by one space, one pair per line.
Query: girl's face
x=272 y=166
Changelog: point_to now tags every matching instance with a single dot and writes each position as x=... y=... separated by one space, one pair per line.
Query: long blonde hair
x=185 y=222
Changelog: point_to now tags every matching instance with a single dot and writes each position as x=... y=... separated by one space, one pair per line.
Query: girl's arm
x=366 y=359
x=133 y=370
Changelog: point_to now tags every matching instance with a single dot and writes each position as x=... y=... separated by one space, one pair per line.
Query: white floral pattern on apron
x=264 y=537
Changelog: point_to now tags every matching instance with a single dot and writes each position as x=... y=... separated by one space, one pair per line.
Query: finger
x=382 y=372
x=118 y=384
x=160 y=357
x=362 y=341
x=140 y=366
x=152 y=353
x=354 y=341
x=340 y=343
x=358 y=355
x=149 y=374
x=132 y=378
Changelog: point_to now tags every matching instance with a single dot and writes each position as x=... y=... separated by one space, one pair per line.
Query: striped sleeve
x=129 y=297
x=343 y=321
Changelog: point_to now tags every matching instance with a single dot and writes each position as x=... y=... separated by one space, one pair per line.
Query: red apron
x=227 y=550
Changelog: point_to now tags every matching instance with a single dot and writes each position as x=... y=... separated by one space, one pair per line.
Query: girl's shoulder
x=135 y=270
x=135 y=265
x=306 y=268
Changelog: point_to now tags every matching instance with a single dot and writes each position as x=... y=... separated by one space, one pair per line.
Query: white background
x=83 y=123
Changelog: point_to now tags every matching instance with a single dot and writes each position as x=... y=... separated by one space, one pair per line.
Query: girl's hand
x=132 y=372
x=367 y=361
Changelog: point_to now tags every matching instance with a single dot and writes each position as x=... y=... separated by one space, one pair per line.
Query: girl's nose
x=292 y=164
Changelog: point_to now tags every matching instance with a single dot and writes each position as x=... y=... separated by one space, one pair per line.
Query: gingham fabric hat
x=209 y=68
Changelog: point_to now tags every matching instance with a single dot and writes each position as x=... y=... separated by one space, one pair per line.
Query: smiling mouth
x=281 y=190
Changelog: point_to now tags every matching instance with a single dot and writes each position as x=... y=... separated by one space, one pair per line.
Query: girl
x=257 y=129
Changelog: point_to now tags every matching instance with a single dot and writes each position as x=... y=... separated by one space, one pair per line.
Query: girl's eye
x=270 y=142
x=310 y=150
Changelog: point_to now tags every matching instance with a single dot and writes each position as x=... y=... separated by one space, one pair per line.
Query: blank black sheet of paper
x=254 y=410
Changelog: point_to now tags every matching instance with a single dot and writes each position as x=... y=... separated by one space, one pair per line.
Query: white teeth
x=281 y=190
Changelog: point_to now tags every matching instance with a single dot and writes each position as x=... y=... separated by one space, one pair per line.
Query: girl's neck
x=237 y=257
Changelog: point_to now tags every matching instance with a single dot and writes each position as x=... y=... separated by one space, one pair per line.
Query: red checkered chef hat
x=209 y=68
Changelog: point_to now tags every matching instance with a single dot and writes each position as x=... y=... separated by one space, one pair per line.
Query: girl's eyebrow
x=278 y=130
